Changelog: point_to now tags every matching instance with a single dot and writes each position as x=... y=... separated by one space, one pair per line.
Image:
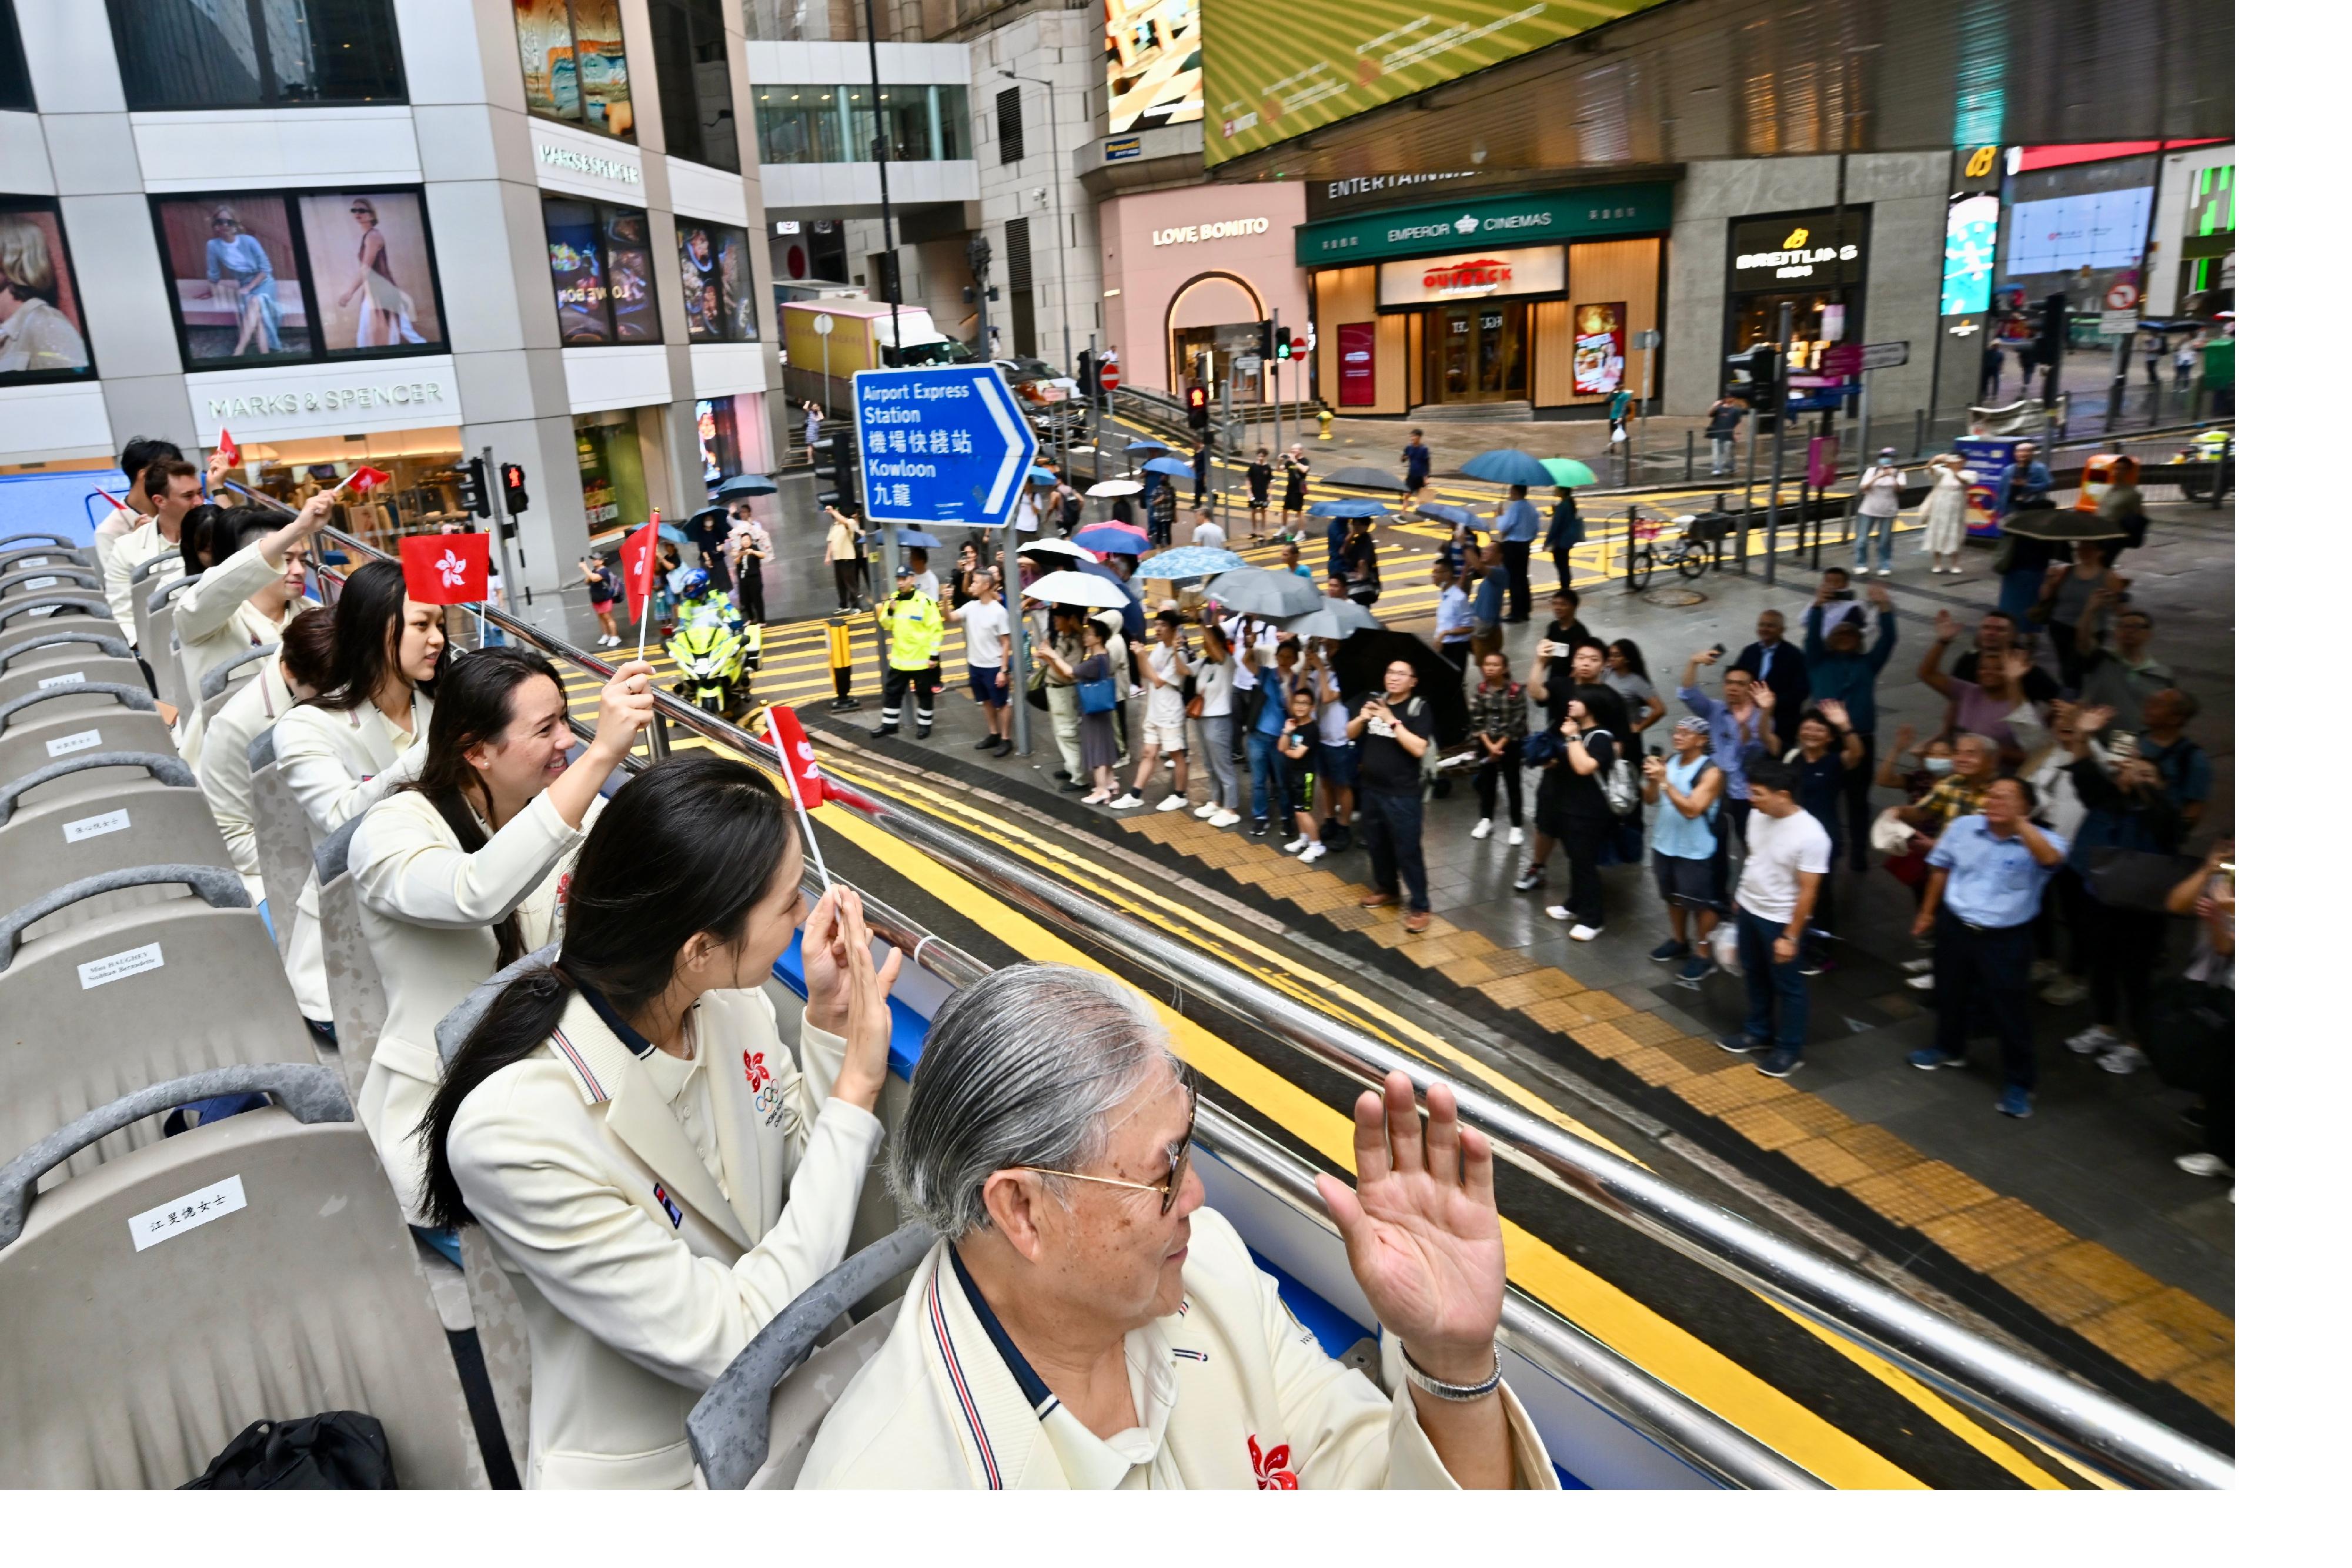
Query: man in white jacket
x=1086 y=1324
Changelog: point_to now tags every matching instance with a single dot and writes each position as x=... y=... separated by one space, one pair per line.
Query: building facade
x=395 y=231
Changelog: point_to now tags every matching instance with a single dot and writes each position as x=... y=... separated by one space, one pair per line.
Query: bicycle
x=1688 y=554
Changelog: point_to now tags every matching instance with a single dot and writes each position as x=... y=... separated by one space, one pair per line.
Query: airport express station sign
x=941 y=445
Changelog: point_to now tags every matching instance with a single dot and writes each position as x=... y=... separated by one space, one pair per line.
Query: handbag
x=338 y=1450
x=2135 y=879
x=1097 y=697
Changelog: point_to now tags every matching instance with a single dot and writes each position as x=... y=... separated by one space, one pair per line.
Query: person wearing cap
x=1881 y=489
x=911 y=620
x=1842 y=671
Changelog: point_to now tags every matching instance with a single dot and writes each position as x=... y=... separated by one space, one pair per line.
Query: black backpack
x=340 y=1450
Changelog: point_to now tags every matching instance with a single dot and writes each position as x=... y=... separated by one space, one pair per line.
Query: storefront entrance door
x=1476 y=352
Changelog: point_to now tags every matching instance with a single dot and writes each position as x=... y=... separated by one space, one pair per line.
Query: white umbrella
x=1115 y=488
x=1076 y=588
x=1055 y=547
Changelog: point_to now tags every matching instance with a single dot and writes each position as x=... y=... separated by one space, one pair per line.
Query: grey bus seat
x=159 y=638
x=43 y=727
x=38 y=539
x=57 y=607
x=354 y=987
x=266 y=1276
x=130 y=997
x=51 y=574
x=222 y=680
x=47 y=660
x=29 y=558
x=87 y=827
x=752 y=1427
x=281 y=836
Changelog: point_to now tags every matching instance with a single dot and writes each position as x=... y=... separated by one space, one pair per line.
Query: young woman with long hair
x=249 y=567
x=459 y=873
x=650 y=1168
x=353 y=744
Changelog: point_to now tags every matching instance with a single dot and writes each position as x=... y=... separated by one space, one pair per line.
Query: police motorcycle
x=714 y=647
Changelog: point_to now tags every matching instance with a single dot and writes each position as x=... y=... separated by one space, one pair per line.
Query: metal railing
x=2069 y=1415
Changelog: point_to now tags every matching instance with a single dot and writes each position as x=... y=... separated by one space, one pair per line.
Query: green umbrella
x=1568 y=471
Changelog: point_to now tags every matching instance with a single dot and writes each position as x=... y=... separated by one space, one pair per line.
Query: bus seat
x=133 y=997
x=69 y=576
x=222 y=680
x=25 y=610
x=354 y=987
x=159 y=638
x=752 y=1428
x=87 y=827
x=297 y=1291
x=45 y=660
x=281 y=836
x=17 y=555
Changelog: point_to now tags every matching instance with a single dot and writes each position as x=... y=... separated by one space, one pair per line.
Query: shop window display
x=42 y=335
x=601 y=265
x=574 y=68
x=715 y=272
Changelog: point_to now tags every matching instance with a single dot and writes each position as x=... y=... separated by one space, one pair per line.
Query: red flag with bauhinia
x=446 y=568
x=638 y=552
x=363 y=479
x=799 y=758
x=227 y=447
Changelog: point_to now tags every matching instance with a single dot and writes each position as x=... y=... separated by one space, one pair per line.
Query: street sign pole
x=823 y=328
x=1779 y=437
x=1276 y=373
x=1017 y=613
x=497 y=499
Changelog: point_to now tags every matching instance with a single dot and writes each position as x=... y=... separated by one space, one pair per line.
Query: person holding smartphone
x=1393 y=729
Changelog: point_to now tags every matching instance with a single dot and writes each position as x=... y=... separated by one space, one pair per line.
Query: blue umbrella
x=1145 y=443
x=1130 y=617
x=747 y=484
x=1043 y=477
x=1192 y=560
x=1348 y=506
x=1110 y=539
x=1509 y=465
x=914 y=538
x=1458 y=517
x=1174 y=468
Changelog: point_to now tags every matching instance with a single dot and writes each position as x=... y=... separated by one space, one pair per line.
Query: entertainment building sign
x=1536 y=218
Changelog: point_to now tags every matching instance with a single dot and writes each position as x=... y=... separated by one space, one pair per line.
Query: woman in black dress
x=1294 y=491
x=1261 y=489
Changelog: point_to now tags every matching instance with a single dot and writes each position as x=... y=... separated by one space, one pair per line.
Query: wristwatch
x=1453 y=1393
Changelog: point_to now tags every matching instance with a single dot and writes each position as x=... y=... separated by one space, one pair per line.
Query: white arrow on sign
x=991 y=392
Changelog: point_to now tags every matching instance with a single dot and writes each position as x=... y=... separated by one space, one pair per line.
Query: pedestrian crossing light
x=1196 y=406
x=1282 y=342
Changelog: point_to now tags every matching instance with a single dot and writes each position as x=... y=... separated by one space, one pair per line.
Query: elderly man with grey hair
x=1085 y=1323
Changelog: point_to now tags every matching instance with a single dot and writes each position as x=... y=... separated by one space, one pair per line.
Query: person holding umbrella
x=1516 y=522
x=1360 y=560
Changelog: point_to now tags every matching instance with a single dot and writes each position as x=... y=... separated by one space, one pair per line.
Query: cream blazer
x=427 y=908
x=1254 y=1402
x=130 y=552
x=639 y=1280
x=338 y=765
x=214 y=623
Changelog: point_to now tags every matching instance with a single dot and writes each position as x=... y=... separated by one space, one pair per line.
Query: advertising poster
x=370 y=269
x=574 y=66
x=1987 y=457
x=1971 y=230
x=1274 y=72
x=1357 y=385
x=1599 y=363
x=1153 y=50
x=629 y=276
x=715 y=273
x=41 y=334
x=233 y=271
x=581 y=320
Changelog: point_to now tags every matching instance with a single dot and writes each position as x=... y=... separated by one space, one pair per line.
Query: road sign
x=1818 y=383
x=1110 y=374
x=1839 y=361
x=821 y=325
x=1648 y=338
x=2123 y=296
x=942 y=444
x=1246 y=364
x=1885 y=356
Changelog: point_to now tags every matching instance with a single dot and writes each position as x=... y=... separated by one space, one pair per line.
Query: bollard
x=1633 y=513
x=1918 y=434
x=836 y=652
x=1690 y=455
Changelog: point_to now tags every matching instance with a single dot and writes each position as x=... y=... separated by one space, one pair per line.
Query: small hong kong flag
x=799 y=758
x=226 y=447
x=363 y=479
x=637 y=556
x=446 y=568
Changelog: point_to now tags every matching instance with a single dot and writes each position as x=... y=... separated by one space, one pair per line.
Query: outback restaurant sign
x=1474 y=275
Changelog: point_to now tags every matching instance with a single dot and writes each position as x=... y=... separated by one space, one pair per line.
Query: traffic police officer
x=911 y=618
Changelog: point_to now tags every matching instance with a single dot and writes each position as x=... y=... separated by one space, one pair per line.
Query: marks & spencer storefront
x=1532 y=299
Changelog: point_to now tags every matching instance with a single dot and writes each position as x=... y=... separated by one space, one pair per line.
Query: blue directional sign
x=941 y=446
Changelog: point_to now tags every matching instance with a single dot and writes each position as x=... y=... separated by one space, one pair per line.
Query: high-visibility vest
x=915 y=629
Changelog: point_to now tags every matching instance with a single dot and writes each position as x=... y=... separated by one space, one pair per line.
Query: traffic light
x=1266 y=340
x=1756 y=377
x=474 y=487
x=1282 y=342
x=839 y=469
x=1196 y=406
x=510 y=477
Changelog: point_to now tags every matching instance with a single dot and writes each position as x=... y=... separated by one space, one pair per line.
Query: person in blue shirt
x=1842 y=671
x=1416 y=464
x=1516 y=523
x=1265 y=730
x=1567 y=533
x=1453 y=617
x=1985 y=879
x=2025 y=488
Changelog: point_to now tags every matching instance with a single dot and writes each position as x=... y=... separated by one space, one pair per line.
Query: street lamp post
x=1061 y=262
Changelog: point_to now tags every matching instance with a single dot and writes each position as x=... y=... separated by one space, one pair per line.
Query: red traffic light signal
x=1197 y=397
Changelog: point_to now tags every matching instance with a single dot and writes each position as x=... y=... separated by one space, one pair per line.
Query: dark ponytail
x=199 y=544
x=368 y=616
x=473 y=703
x=689 y=845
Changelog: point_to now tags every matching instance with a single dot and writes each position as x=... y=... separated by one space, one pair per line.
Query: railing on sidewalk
x=2087 y=1424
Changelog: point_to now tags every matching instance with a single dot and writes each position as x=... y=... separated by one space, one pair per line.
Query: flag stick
x=653 y=569
x=791 y=787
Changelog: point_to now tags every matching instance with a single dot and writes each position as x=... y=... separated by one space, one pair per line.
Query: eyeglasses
x=1180 y=1160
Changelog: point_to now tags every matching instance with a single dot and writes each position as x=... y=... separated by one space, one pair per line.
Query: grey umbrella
x=2061 y=527
x=1254 y=591
x=1335 y=619
x=1364 y=478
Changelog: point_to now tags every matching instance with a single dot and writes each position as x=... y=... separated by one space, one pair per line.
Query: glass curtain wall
x=698 y=98
x=257 y=53
x=838 y=124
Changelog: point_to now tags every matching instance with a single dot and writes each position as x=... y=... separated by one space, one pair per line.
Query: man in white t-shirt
x=1164 y=666
x=1205 y=531
x=1788 y=856
x=986 y=628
